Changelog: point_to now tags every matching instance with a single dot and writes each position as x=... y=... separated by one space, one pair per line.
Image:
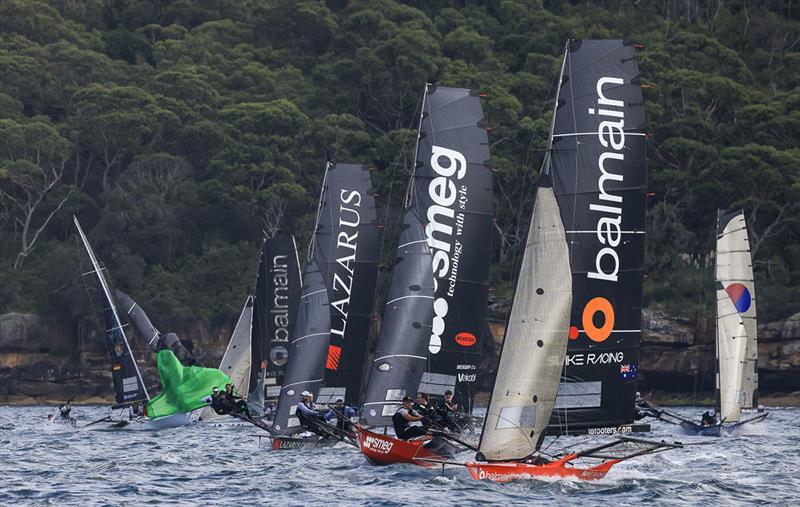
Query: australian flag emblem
x=627 y=371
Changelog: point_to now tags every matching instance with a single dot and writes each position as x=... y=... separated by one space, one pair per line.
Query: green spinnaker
x=183 y=387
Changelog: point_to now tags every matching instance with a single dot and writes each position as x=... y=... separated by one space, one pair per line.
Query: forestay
x=536 y=339
x=453 y=195
x=737 y=354
x=308 y=350
x=401 y=351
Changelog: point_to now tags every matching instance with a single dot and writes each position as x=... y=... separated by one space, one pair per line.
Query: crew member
x=239 y=405
x=342 y=413
x=405 y=415
x=422 y=406
x=308 y=414
x=216 y=402
x=708 y=419
x=447 y=413
x=65 y=410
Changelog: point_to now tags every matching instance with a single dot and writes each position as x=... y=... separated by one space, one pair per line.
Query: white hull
x=162 y=423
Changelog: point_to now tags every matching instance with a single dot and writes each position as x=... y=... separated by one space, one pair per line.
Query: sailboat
x=257 y=352
x=185 y=388
x=452 y=188
x=567 y=267
x=736 y=340
x=400 y=354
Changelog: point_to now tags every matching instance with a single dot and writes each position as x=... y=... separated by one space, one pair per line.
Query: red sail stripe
x=333 y=357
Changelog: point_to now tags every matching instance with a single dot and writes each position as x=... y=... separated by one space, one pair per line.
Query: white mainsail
x=236 y=360
x=536 y=339
x=737 y=354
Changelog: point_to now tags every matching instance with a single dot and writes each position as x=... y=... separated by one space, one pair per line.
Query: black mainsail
x=598 y=166
x=453 y=195
x=308 y=351
x=274 y=315
x=401 y=350
x=346 y=247
x=128 y=385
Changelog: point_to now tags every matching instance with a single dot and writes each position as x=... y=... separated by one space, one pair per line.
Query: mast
x=346 y=248
x=453 y=195
x=737 y=374
x=128 y=384
x=597 y=162
x=400 y=353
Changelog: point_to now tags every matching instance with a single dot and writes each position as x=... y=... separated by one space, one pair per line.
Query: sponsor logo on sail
x=342 y=283
x=445 y=224
x=279 y=271
x=466 y=339
x=467 y=377
x=377 y=445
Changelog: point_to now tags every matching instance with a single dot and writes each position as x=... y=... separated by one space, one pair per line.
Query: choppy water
x=204 y=464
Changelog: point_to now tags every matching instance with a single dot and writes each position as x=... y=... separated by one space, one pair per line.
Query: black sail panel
x=274 y=313
x=346 y=246
x=401 y=351
x=598 y=164
x=453 y=192
x=308 y=351
x=127 y=380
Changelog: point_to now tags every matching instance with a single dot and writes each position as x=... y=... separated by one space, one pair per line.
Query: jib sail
x=308 y=351
x=346 y=246
x=453 y=193
x=401 y=350
x=599 y=175
x=128 y=385
x=236 y=360
x=274 y=315
x=536 y=339
x=737 y=354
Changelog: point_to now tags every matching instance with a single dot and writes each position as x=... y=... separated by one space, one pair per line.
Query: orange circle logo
x=598 y=304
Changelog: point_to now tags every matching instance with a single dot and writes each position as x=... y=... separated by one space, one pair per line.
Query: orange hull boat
x=509 y=470
x=386 y=450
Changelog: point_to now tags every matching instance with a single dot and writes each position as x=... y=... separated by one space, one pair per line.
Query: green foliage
x=178 y=130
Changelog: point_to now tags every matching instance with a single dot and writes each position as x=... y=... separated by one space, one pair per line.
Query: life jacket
x=399 y=422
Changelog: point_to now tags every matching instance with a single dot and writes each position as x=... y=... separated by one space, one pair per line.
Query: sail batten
x=401 y=349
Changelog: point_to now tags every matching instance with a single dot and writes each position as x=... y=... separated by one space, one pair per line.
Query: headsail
x=346 y=247
x=128 y=384
x=401 y=351
x=453 y=195
x=308 y=350
x=536 y=339
x=598 y=165
x=236 y=360
x=274 y=314
x=737 y=354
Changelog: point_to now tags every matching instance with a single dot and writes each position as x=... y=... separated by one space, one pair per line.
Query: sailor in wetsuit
x=447 y=413
x=216 y=402
x=405 y=415
x=707 y=419
x=64 y=410
x=308 y=414
x=422 y=406
x=342 y=413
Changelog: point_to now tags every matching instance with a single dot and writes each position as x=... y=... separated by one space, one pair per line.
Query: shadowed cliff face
x=677 y=357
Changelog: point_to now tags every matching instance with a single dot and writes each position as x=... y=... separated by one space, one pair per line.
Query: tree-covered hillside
x=179 y=130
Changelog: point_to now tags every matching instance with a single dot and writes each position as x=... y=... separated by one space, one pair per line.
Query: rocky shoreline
x=39 y=366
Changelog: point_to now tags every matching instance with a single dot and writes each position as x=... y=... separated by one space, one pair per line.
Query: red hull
x=386 y=450
x=509 y=471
